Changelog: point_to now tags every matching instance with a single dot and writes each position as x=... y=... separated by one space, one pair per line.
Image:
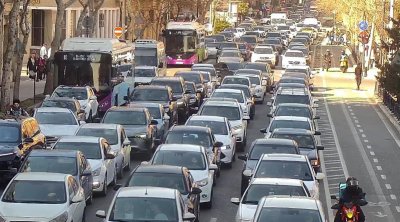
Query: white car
x=234 y=94
x=241 y=31
x=55 y=122
x=38 y=196
x=264 y=54
x=295 y=122
x=147 y=204
x=301 y=69
x=233 y=112
x=98 y=153
x=222 y=131
x=261 y=187
x=195 y=159
x=290 y=166
x=280 y=208
x=293 y=57
x=142 y=75
x=260 y=87
x=116 y=137
x=85 y=96
x=241 y=80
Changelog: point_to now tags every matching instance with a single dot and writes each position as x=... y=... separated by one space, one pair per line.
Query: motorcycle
x=344 y=64
x=349 y=212
x=327 y=65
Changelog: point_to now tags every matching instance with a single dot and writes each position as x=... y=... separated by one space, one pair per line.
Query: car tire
x=90 y=200
x=208 y=204
x=104 y=191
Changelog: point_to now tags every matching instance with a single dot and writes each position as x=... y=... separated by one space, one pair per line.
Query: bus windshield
x=146 y=56
x=179 y=41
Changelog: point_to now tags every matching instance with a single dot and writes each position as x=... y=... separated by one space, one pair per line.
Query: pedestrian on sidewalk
x=358 y=74
x=43 y=50
x=41 y=68
x=32 y=66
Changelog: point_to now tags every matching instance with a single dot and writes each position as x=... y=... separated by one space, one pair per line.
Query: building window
x=37 y=38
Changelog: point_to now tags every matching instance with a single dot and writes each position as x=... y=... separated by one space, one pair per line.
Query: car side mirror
x=174 y=98
x=246 y=117
x=218 y=144
x=248 y=173
x=86 y=173
x=145 y=163
x=269 y=104
x=101 y=214
x=242 y=157
x=235 y=200
x=77 y=198
x=153 y=122
x=213 y=167
x=189 y=217
x=93 y=98
x=110 y=156
x=126 y=142
x=263 y=130
x=320 y=176
x=28 y=140
x=317 y=117
x=196 y=190
x=81 y=122
x=320 y=147
x=270 y=115
x=317 y=133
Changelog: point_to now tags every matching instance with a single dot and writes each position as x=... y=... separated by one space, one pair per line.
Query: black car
x=306 y=142
x=174 y=177
x=179 y=91
x=195 y=98
x=158 y=94
x=267 y=146
x=197 y=78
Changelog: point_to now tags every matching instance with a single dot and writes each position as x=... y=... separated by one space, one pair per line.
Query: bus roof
x=93 y=44
x=185 y=26
x=148 y=43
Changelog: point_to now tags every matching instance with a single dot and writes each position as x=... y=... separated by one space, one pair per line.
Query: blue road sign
x=363 y=25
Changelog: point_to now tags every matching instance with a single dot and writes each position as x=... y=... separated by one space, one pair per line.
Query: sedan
x=293 y=57
x=37 y=196
x=294 y=122
x=234 y=94
x=65 y=102
x=230 y=55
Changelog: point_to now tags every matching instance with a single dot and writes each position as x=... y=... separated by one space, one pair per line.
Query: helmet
x=352 y=183
x=328 y=50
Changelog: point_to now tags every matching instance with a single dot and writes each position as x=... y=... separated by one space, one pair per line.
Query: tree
x=2 y=7
x=8 y=55
x=91 y=12
x=243 y=10
x=24 y=29
x=220 y=25
x=62 y=5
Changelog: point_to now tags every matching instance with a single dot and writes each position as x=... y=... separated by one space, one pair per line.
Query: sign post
x=118 y=32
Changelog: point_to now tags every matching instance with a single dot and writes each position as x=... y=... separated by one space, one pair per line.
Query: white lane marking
x=393 y=197
x=352 y=114
x=398 y=208
x=372 y=153
x=213 y=220
x=375 y=160
x=368 y=165
x=388 y=186
x=355 y=119
x=358 y=125
x=383 y=177
x=379 y=168
x=366 y=141
x=363 y=135
x=361 y=130
x=369 y=146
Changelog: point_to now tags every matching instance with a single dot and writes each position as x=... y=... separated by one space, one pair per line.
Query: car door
x=194 y=198
x=93 y=103
x=126 y=148
x=77 y=209
x=84 y=179
x=109 y=163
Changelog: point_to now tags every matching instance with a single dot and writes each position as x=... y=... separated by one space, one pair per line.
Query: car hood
x=247 y=211
x=95 y=164
x=263 y=55
x=251 y=164
x=83 y=103
x=235 y=122
x=310 y=153
x=143 y=79
x=132 y=130
x=199 y=174
x=7 y=148
x=30 y=212
x=310 y=186
x=58 y=130
x=223 y=139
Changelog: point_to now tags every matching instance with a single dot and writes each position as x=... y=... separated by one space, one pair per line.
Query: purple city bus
x=184 y=43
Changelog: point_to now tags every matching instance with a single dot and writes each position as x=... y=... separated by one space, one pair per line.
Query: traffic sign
x=118 y=31
x=363 y=37
x=363 y=25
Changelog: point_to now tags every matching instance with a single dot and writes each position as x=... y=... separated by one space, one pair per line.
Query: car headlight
x=96 y=172
x=61 y=218
x=180 y=102
x=141 y=135
x=203 y=182
x=314 y=162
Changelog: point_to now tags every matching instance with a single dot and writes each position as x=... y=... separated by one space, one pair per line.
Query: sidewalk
x=26 y=86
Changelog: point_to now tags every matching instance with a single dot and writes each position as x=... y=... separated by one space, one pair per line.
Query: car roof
x=221 y=102
x=235 y=77
x=293 y=131
x=127 y=108
x=234 y=85
x=151 y=87
x=187 y=72
x=100 y=126
x=300 y=105
x=277 y=181
x=292 y=91
x=291 y=118
x=72 y=87
x=61 y=153
x=277 y=141
x=167 y=79
x=83 y=139
x=144 y=104
x=208 y=118
x=61 y=99
x=159 y=169
x=180 y=147
x=291 y=50
x=229 y=90
x=249 y=70
x=190 y=129
x=148 y=192
x=291 y=202
x=53 y=110
x=284 y=157
x=144 y=67
x=41 y=176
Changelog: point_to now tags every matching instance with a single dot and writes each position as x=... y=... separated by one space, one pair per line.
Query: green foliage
x=220 y=25
x=243 y=8
x=275 y=3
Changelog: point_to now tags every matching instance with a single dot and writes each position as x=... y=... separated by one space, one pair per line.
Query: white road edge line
x=213 y=220
x=368 y=165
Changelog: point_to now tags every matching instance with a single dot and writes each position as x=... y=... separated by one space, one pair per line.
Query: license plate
x=179 y=63
x=192 y=100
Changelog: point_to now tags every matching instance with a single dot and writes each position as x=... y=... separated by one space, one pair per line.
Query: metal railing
x=391 y=102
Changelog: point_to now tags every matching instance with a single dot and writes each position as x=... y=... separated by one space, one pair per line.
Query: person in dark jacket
x=16 y=110
x=32 y=66
x=358 y=74
x=352 y=193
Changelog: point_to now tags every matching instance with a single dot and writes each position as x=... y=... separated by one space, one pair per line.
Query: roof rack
x=146 y=41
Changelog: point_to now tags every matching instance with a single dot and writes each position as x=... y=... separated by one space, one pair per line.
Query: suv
x=292 y=95
x=18 y=138
x=198 y=79
x=86 y=97
x=179 y=91
x=157 y=94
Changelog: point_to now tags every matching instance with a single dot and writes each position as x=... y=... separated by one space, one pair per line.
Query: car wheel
x=104 y=191
x=208 y=204
x=90 y=199
x=115 y=177
x=120 y=171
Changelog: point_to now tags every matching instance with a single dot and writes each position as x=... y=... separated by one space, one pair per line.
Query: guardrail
x=391 y=102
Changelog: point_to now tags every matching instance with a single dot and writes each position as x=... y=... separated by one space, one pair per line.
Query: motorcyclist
x=344 y=59
x=327 y=60
x=16 y=110
x=352 y=193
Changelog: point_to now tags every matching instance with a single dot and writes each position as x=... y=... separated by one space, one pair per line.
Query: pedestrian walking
x=41 y=68
x=32 y=66
x=358 y=75
x=43 y=50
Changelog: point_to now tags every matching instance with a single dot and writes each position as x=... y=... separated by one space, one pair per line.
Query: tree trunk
x=79 y=25
x=8 y=55
x=2 y=7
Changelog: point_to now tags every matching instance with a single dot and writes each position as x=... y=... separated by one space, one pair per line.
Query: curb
x=389 y=115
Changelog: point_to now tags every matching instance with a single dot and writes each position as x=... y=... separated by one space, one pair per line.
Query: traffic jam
x=170 y=137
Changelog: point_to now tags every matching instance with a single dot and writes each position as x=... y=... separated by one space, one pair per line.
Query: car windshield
x=153 y=179
x=206 y=76
x=155 y=112
x=292 y=80
x=39 y=192
x=273 y=34
x=294 y=54
x=141 y=209
x=190 y=77
x=217 y=127
x=188 y=159
x=205 y=69
x=302 y=99
x=256 y=191
x=240 y=81
x=293 y=111
x=51 y=164
x=144 y=72
x=237 y=96
x=289 y=124
x=274 y=214
x=284 y=169
x=77 y=93
x=90 y=150
x=187 y=137
x=175 y=85
x=61 y=104
x=254 y=80
x=234 y=65
x=125 y=117
x=263 y=50
x=261 y=67
x=56 y=118
x=273 y=41
x=303 y=141
x=283 y=27
x=248 y=39
x=230 y=112
x=242 y=46
x=229 y=54
x=228 y=45
x=212 y=44
x=150 y=95
x=10 y=134
x=190 y=87
x=304 y=71
x=110 y=135
x=259 y=149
